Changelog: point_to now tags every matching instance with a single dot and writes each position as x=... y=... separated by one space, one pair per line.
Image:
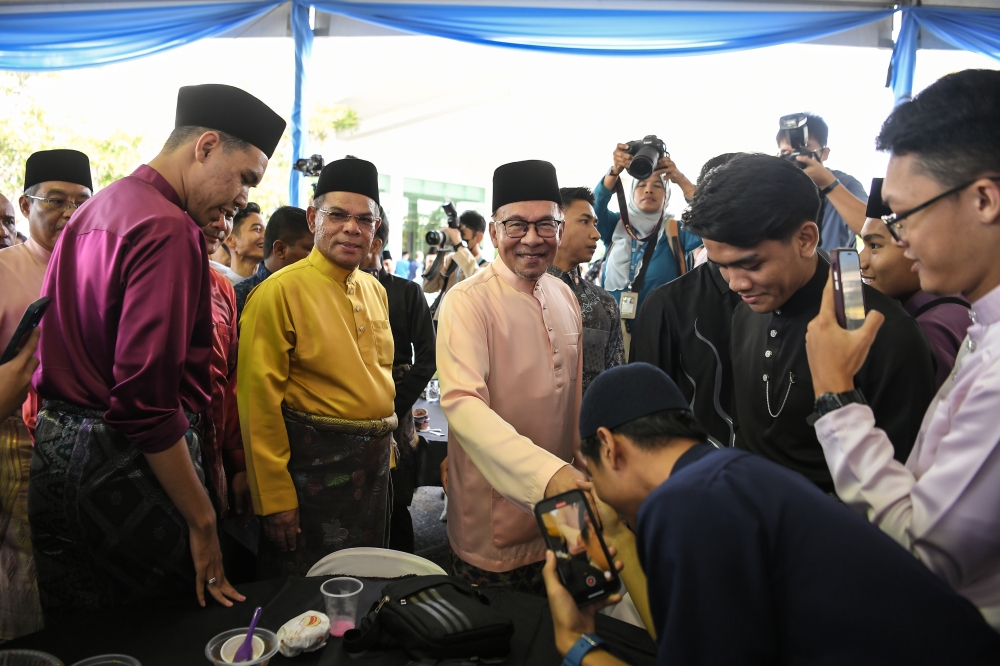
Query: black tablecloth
x=172 y=633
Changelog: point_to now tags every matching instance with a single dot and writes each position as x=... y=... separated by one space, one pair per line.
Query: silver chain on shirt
x=767 y=395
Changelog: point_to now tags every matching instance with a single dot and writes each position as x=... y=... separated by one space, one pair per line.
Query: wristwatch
x=829 y=188
x=463 y=243
x=828 y=402
x=581 y=648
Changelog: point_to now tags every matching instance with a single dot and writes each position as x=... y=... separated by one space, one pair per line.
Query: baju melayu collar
x=774 y=396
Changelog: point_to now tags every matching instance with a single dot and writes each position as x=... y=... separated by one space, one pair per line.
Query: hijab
x=620 y=255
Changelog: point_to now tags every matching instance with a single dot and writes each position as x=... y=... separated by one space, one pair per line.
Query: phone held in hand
x=29 y=321
x=585 y=567
x=848 y=292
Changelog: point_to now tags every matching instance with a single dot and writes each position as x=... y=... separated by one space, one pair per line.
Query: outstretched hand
x=836 y=354
x=15 y=377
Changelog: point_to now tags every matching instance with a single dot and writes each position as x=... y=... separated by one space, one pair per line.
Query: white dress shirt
x=944 y=504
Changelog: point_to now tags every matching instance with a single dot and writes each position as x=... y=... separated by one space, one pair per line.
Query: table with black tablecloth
x=175 y=632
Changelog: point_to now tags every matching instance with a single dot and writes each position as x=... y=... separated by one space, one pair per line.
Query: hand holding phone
x=29 y=322
x=848 y=289
x=583 y=562
x=15 y=377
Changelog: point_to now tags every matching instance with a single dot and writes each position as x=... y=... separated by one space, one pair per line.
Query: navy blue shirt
x=244 y=287
x=749 y=563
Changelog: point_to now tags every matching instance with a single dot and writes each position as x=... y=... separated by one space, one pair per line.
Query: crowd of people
x=205 y=378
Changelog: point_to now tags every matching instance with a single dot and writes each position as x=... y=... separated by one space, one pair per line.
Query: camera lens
x=434 y=238
x=643 y=162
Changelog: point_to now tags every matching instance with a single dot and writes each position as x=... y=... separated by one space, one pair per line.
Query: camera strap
x=623 y=211
x=444 y=287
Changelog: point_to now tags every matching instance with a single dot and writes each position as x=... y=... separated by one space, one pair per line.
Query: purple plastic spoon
x=245 y=653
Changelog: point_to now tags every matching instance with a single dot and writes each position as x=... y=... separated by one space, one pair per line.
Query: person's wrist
x=565 y=640
x=824 y=178
x=839 y=383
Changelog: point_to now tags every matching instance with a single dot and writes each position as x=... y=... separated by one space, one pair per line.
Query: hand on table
x=569 y=620
x=242 y=504
x=207 y=558
x=15 y=377
x=836 y=354
x=283 y=529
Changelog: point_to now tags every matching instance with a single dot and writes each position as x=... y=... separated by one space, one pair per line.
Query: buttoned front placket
x=775 y=381
x=362 y=321
x=557 y=344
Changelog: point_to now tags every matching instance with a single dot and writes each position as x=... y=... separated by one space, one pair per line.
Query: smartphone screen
x=582 y=559
x=848 y=291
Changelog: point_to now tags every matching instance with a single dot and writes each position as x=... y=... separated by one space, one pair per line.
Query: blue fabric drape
x=904 y=57
x=303 y=36
x=34 y=40
x=976 y=30
x=605 y=31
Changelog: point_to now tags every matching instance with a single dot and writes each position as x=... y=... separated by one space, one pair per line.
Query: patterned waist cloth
x=340 y=469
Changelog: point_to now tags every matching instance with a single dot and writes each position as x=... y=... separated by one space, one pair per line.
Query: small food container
x=110 y=660
x=221 y=649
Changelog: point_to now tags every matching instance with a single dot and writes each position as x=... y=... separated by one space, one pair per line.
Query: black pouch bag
x=433 y=617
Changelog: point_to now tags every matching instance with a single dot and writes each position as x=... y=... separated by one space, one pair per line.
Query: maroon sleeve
x=164 y=332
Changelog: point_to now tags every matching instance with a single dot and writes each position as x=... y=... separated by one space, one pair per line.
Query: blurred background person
x=463 y=260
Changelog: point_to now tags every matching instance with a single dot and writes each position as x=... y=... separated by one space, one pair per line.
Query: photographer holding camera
x=645 y=250
x=802 y=140
x=464 y=235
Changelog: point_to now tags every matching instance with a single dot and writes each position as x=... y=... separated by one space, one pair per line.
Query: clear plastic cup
x=110 y=660
x=28 y=658
x=341 y=596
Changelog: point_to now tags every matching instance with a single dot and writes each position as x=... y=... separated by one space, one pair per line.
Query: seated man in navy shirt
x=748 y=562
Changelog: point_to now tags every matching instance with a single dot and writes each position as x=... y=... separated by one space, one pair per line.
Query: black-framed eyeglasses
x=58 y=203
x=340 y=217
x=892 y=222
x=545 y=228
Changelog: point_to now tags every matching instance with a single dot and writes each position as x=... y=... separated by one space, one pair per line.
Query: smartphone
x=585 y=567
x=32 y=316
x=848 y=292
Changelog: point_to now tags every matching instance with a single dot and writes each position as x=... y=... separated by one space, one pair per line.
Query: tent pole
x=303 y=36
x=904 y=56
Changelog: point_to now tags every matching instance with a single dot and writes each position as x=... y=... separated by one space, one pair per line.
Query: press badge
x=627 y=303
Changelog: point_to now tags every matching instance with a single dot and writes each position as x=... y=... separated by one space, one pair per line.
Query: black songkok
x=876 y=207
x=530 y=180
x=230 y=110
x=349 y=175
x=68 y=166
x=626 y=393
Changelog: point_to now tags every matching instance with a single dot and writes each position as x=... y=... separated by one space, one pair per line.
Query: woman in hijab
x=647 y=214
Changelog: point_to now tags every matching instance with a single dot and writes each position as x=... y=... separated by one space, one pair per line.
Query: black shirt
x=602 y=328
x=774 y=393
x=683 y=328
x=412 y=336
x=748 y=563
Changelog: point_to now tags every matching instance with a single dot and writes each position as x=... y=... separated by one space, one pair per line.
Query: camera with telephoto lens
x=310 y=166
x=436 y=238
x=646 y=153
x=797 y=134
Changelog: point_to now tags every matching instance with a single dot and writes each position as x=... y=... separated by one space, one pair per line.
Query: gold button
x=361 y=328
x=357 y=309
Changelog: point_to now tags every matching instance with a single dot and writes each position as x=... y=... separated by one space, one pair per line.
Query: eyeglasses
x=545 y=228
x=58 y=203
x=340 y=217
x=893 y=221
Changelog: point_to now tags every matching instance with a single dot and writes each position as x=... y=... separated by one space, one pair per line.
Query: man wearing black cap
x=510 y=364
x=747 y=562
x=56 y=183
x=118 y=502
x=315 y=385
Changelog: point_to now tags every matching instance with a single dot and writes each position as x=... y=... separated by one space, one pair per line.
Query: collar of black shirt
x=716 y=274
x=811 y=293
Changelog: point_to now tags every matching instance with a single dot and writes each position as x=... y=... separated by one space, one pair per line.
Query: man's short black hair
x=751 y=199
x=817 y=127
x=473 y=220
x=406 y=253
x=243 y=214
x=714 y=163
x=571 y=194
x=181 y=135
x=382 y=233
x=651 y=431
x=952 y=127
x=287 y=224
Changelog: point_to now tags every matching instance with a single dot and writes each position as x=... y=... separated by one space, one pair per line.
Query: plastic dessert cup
x=341 y=598
x=221 y=649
